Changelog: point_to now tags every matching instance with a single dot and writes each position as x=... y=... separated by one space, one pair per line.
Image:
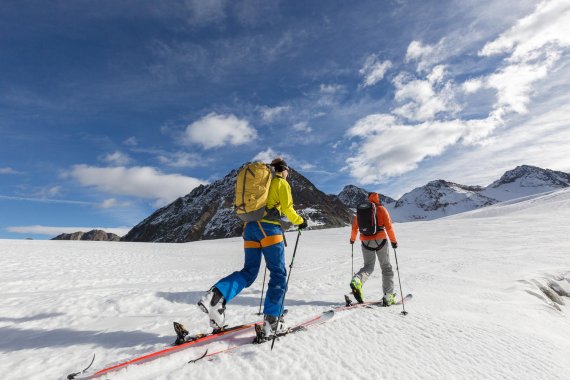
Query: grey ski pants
x=370 y=260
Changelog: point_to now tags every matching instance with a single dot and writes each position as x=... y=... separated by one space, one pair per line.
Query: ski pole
x=286 y=288
x=404 y=312
x=262 y=290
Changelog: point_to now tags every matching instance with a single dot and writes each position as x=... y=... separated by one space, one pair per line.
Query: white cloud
x=7 y=171
x=45 y=200
x=424 y=99
x=266 y=156
x=417 y=50
x=437 y=74
x=54 y=231
x=113 y=203
x=49 y=192
x=534 y=44
x=374 y=70
x=142 y=182
x=183 y=160
x=330 y=88
x=117 y=158
x=306 y=166
x=514 y=85
x=426 y=56
x=547 y=26
x=131 y=141
x=472 y=85
x=389 y=148
x=302 y=127
x=213 y=131
x=269 y=114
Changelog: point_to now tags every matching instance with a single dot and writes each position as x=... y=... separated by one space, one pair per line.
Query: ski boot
x=181 y=333
x=214 y=304
x=356 y=286
x=389 y=299
x=271 y=326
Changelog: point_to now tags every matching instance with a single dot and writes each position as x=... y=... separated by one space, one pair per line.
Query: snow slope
x=482 y=307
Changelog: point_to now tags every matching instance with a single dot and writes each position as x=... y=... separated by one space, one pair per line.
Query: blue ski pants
x=260 y=238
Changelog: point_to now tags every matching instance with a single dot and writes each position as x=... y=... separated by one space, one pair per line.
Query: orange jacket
x=383 y=219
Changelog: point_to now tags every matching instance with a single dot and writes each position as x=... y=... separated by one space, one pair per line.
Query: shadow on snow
x=194 y=297
x=14 y=339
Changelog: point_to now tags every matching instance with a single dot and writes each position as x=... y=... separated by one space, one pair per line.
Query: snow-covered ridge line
x=441 y=198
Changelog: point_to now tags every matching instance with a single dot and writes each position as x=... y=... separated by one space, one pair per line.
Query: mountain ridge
x=440 y=198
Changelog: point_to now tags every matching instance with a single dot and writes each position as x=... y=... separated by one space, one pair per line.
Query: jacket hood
x=374 y=198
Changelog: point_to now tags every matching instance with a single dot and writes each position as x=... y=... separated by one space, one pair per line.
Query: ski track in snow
x=478 y=310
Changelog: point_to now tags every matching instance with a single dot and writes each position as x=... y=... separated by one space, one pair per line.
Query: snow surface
x=483 y=307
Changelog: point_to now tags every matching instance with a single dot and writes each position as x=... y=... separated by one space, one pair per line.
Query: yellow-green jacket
x=279 y=202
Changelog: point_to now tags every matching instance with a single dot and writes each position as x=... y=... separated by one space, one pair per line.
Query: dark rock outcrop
x=93 y=235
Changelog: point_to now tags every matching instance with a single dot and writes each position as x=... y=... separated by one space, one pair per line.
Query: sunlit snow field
x=486 y=304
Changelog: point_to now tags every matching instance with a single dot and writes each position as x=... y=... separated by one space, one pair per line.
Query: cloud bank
x=141 y=182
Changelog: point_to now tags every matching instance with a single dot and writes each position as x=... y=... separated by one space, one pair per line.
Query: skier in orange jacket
x=375 y=246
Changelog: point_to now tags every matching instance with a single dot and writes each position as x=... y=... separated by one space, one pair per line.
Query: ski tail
x=72 y=376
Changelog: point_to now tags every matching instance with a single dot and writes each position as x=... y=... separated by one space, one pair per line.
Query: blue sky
x=109 y=110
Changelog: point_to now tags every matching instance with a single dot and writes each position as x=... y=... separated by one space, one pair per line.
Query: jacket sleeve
x=354 y=232
x=286 y=203
x=384 y=219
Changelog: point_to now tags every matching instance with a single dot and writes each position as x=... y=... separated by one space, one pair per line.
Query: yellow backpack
x=252 y=187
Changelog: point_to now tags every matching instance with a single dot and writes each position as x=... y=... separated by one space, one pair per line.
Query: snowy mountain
x=352 y=196
x=207 y=212
x=442 y=198
x=526 y=180
x=93 y=235
x=487 y=304
x=438 y=199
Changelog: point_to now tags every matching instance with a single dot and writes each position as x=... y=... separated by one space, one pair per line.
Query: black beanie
x=279 y=164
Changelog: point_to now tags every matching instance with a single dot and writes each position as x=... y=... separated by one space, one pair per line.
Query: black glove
x=395 y=245
x=351 y=241
x=303 y=225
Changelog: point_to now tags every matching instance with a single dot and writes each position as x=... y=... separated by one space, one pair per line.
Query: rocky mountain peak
x=532 y=176
x=352 y=196
x=207 y=212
